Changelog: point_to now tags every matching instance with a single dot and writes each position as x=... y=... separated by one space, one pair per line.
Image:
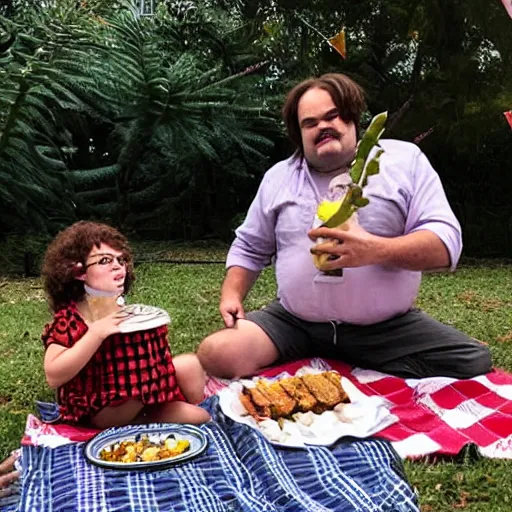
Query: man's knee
x=480 y=361
x=238 y=351
x=210 y=351
x=224 y=354
x=468 y=361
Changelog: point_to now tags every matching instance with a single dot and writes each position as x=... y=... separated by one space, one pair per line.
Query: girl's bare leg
x=190 y=376
x=175 y=412
x=115 y=416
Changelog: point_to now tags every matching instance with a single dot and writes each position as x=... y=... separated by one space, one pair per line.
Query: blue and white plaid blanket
x=240 y=471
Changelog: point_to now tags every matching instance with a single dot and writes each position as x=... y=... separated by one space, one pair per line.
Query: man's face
x=329 y=143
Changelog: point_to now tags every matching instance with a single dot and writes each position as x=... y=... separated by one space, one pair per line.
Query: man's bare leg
x=238 y=351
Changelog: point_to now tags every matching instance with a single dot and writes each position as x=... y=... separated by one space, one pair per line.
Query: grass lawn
x=477 y=300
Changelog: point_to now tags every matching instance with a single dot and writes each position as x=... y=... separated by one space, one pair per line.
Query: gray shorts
x=412 y=345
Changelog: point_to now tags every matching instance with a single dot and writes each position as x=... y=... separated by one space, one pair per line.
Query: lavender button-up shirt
x=406 y=196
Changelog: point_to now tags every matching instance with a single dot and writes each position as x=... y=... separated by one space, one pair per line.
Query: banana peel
x=336 y=214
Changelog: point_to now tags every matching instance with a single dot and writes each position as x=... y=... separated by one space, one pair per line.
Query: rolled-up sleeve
x=429 y=209
x=255 y=243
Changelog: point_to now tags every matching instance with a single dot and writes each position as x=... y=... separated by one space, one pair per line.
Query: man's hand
x=355 y=247
x=419 y=251
x=231 y=309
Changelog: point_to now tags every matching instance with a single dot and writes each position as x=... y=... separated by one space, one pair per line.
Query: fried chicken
x=280 y=399
x=335 y=378
x=298 y=390
x=246 y=401
x=281 y=403
x=327 y=394
x=260 y=404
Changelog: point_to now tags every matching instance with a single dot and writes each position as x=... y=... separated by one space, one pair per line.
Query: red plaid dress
x=136 y=365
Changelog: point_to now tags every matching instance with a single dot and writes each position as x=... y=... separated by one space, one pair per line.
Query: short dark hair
x=345 y=93
x=72 y=246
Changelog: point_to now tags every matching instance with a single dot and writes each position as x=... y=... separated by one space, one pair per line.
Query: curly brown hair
x=71 y=247
x=345 y=93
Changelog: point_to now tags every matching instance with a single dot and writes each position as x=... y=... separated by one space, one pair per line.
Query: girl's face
x=105 y=269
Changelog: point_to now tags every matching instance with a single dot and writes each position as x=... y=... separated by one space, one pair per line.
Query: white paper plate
x=139 y=317
x=362 y=417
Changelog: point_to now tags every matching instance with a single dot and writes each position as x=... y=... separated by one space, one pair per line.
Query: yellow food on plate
x=144 y=450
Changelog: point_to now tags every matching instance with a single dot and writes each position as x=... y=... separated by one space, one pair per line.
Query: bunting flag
x=338 y=43
x=508 y=6
x=508 y=117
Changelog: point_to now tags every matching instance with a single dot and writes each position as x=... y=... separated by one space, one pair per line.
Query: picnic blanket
x=436 y=415
x=240 y=472
x=243 y=471
x=442 y=415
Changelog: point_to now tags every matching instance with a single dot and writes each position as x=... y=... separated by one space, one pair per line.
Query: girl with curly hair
x=106 y=376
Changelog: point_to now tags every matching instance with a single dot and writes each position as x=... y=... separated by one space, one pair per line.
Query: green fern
x=49 y=69
x=179 y=117
x=176 y=111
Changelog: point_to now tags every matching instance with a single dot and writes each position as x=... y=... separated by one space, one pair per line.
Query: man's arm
x=430 y=211
x=421 y=250
x=236 y=286
x=432 y=235
x=252 y=249
x=238 y=282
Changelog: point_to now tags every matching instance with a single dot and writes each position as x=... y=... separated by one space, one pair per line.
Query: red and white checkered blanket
x=437 y=415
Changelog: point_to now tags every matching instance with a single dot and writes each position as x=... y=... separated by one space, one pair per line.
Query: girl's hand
x=106 y=326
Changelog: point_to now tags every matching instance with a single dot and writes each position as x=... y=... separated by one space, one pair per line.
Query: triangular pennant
x=508 y=6
x=508 y=116
x=338 y=43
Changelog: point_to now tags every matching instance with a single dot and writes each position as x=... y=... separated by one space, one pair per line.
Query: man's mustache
x=328 y=132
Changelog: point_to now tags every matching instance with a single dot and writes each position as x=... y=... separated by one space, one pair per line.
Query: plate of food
x=312 y=407
x=152 y=446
